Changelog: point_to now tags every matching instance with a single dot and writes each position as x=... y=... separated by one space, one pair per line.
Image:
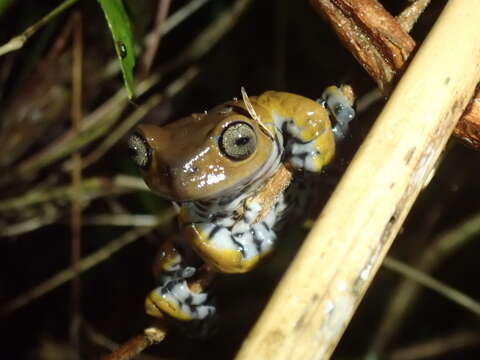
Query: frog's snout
x=144 y=147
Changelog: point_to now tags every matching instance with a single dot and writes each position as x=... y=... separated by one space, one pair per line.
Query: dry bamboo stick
x=317 y=297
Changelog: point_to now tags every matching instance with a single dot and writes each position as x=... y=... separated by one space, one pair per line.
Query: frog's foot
x=341 y=109
x=306 y=156
x=180 y=294
x=174 y=297
x=308 y=143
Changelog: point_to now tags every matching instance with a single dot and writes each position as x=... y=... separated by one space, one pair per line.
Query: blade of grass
x=436 y=347
x=182 y=14
x=119 y=25
x=426 y=280
x=91 y=188
x=76 y=180
x=402 y=300
x=153 y=41
x=18 y=41
x=121 y=220
x=139 y=113
x=4 y=5
x=86 y=263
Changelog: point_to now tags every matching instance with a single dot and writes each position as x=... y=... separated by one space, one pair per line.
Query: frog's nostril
x=164 y=170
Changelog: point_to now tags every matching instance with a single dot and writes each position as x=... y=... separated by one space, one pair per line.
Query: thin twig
x=433 y=284
x=43 y=93
x=436 y=348
x=151 y=336
x=409 y=16
x=85 y=264
x=407 y=19
x=180 y=15
x=91 y=188
x=121 y=220
x=50 y=214
x=211 y=35
x=76 y=176
x=153 y=39
x=403 y=297
x=97 y=338
x=371 y=34
x=18 y=41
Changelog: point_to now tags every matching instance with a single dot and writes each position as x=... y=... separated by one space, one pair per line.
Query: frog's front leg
x=340 y=107
x=233 y=242
x=180 y=294
x=302 y=126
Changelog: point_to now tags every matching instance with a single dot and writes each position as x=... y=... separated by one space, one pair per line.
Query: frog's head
x=206 y=155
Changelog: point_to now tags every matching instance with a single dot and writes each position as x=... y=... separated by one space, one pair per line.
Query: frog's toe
x=177 y=300
x=341 y=108
x=307 y=156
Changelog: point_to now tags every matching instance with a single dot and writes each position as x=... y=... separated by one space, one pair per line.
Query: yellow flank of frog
x=222 y=259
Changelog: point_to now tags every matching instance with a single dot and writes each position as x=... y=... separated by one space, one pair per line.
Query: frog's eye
x=139 y=150
x=238 y=141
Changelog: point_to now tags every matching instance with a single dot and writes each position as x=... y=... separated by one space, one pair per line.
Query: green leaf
x=119 y=25
x=4 y=5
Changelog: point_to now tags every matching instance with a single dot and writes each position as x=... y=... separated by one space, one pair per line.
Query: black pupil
x=132 y=152
x=242 y=141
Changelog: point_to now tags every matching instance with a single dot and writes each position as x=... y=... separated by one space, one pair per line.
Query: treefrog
x=212 y=165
